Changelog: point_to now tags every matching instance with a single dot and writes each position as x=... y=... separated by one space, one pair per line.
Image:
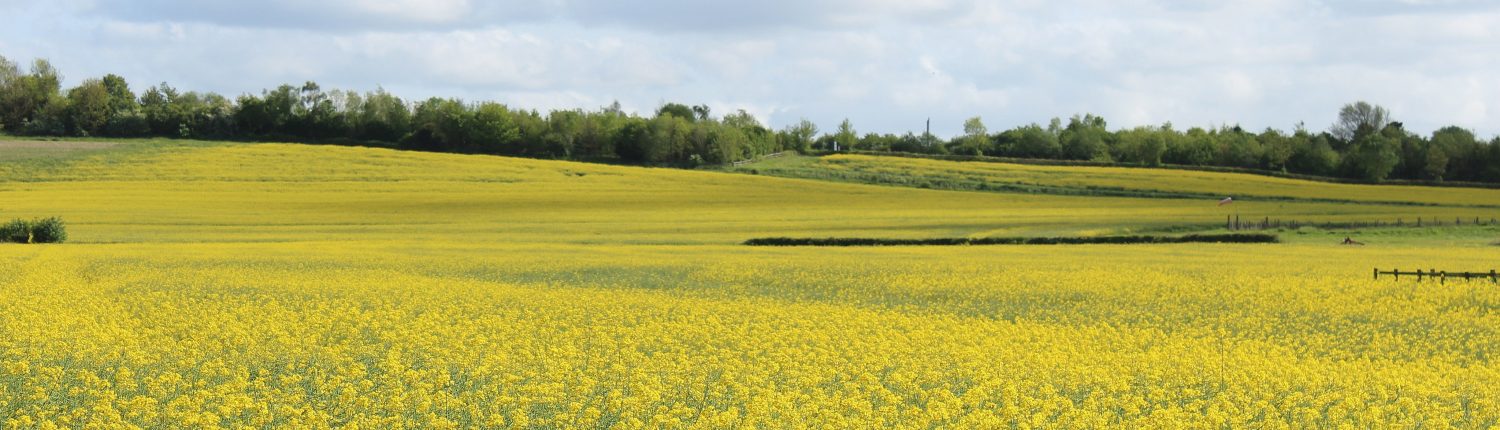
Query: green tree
x=32 y=97
x=1033 y=141
x=1357 y=115
x=846 y=137
x=1449 y=152
x=89 y=108
x=800 y=135
x=678 y=110
x=1276 y=149
x=1312 y=155
x=1085 y=138
x=1143 y=145
x=1372 y=156
x=165 y=113
x=976 y=139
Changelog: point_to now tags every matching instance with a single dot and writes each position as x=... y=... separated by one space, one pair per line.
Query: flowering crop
x=509 y=294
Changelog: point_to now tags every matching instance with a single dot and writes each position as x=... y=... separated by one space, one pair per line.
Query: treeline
x=34 y=103
x=1365 y=144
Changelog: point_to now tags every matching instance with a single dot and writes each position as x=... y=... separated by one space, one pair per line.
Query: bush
x=18 y=231
x=45 y=230
x=48 y=230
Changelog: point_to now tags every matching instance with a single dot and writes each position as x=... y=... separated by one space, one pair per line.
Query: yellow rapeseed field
x=284 y=286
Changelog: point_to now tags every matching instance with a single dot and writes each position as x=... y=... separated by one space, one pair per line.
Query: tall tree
x=800 y=135
x=1354 y=116
x=89 y=108
x=26 y=98
x=976 y=138
x=846 y=137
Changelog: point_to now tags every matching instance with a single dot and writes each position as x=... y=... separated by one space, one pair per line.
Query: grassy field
x=266 y=285
x=1118 y=181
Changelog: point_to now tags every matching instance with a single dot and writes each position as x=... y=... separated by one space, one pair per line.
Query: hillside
x=1107 y=181
x=271 y=285
x=206 y=191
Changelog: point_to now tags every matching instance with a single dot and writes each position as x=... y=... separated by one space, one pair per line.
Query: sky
x=886 y=65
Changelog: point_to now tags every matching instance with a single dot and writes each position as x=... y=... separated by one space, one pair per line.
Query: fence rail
x=1441 y=276
x=752 y=160
x=1234 y=223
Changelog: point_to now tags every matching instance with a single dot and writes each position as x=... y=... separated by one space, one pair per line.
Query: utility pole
x=927 y=132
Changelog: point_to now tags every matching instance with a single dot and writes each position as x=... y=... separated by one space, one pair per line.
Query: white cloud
x=885 y=64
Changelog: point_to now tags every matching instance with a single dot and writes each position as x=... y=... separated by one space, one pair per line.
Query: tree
x=1312 y=154
x=630 y=141
x=1359 y=114
x=846 y=137
x=121 y=99
x=26 y=98
x=1143 y=145
x=164 y=114
x=491 y=128
x=678 y=110
x=125 y=118
x=976 y=137
x=1276 y=149
x=564 y=127
x=1238 y=148
x=1196 y=148
x=1446 y=154
x=89 y=108
x=1085 y=138
x=1372 y=156
x=800 y=135
x=437 y=125
x=1033 y=141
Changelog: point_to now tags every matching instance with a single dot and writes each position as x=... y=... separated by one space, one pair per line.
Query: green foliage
x=799 y=136
x=44 y=230
x=846 y=137
x=17 y=231
x=48 y=230
x=1364 y=144
x=1372 y=157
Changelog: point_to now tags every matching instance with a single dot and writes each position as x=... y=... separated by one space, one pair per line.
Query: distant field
x=208 y=192
x=981 y=175
x=230 y=285
x=12 y=151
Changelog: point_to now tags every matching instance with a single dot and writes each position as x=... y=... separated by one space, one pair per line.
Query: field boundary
x=969 y=184
x=955 y=241
x=1216 y=169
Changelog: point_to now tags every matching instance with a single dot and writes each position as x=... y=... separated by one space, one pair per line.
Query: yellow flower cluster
x=401 y=335
x=285 y=286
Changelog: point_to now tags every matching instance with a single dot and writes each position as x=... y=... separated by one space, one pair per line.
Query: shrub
x=18 y=231
x=45 y=230
x=48 y=230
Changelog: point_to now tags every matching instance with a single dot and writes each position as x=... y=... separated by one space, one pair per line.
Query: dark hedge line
x=950 y=241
